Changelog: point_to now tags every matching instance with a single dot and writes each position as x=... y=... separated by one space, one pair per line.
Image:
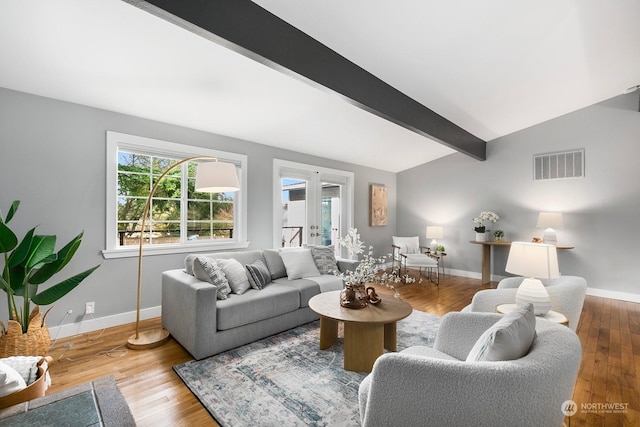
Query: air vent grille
x=561 y=165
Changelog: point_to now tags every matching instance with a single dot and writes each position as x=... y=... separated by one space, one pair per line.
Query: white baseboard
x=91 y=323
x=623 y=296
x=99 y=323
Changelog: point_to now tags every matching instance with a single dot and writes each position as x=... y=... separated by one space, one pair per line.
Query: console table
x=486 y=256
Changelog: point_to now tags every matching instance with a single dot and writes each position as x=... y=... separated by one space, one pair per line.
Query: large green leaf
x=64 y=255
x=21 y=252
x=12 y=210
x=8 y=239
x=54 y=293
x=42 y=248
x=16 y=279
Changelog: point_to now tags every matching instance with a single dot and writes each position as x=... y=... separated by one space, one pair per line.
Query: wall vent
x=561 y=165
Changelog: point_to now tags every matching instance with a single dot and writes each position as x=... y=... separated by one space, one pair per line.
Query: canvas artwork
x=378 y=205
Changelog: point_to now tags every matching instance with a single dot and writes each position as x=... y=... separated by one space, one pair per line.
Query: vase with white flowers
x=368 y=270
x=479 y=222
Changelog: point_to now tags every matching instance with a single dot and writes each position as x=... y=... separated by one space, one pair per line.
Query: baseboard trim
x=99 y=323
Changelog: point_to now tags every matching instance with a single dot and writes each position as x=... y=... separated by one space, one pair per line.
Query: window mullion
x=184 y=203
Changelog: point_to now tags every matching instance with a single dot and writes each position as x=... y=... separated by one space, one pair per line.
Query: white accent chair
x=408 y=253
x=423 y=386
x=566 y=293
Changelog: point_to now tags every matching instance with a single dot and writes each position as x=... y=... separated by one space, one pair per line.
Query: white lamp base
x=433 y=245
x=533 y=291
x=550 y=237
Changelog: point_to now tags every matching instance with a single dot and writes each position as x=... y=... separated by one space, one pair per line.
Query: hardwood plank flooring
x=609 y=331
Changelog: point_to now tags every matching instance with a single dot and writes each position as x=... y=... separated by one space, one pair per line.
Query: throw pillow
x=236 y=275
x=258 y=274
x=188 y=264
x=325 y=258
x=408 y=245
x=299 y=264
x=208 y=270
x=274 y=263
x=509 y=338
x=10 y=380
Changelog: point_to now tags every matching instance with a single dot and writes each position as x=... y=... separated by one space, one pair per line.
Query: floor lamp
x=211 y=177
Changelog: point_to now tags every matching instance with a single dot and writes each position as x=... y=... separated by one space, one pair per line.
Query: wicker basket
x=35 y=342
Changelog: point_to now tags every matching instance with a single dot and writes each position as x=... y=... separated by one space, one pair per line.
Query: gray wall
x=601 y=211
x=52 y=159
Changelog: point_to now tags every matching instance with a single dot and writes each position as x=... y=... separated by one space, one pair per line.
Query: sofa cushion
x=324 y=257
x=236 y=275
x=274 y=263
x=255 y=305
x=508 y=339
x=299 y=264
x=258 y=274
x=188 y=264
x=306 y=288
x=208 y=270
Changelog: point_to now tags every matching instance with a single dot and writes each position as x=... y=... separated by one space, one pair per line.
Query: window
x=180 y=219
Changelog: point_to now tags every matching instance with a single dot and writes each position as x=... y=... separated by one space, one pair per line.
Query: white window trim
x=286 y=167
x=116 y=140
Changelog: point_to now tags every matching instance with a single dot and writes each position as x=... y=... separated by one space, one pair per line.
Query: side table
x=552 y=316
x=440 y=258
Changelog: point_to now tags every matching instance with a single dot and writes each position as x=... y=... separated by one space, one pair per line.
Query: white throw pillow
x=508 y=339
x=236 y=275
x=299 y=264
x=10 y=380
x=408 y=245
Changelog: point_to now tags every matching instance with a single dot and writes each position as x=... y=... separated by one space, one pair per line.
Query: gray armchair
x=424 y=386
x=566 y=293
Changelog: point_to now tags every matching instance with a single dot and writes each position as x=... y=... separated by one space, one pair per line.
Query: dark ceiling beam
x=247 y=28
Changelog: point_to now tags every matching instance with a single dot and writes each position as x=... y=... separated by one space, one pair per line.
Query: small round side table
x=552 y=316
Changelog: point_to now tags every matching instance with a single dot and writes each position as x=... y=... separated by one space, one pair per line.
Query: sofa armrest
x=458 y=332
x=486 y=300
x=189 y=310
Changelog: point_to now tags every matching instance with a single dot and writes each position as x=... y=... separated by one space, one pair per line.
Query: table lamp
x=534 y=261
x=551 y=221
x=434 y=232
x=211 y=177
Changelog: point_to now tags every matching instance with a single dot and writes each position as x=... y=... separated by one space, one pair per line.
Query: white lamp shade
x=533 y=291
x=550 y=220
x=434 y=232
x=533 y=260
x=216 y=177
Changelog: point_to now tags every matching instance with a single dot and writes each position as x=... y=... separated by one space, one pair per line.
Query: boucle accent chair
x=423 y=386
x=566 y=293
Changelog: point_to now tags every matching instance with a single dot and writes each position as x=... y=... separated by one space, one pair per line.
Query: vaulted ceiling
x=462 y=72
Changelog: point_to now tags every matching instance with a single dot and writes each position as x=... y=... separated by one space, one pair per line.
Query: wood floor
x=609 y=374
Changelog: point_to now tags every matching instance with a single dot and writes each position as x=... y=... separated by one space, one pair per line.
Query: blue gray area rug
x=286 y=380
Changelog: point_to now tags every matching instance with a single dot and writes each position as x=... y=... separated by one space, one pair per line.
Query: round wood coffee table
x=367 y=331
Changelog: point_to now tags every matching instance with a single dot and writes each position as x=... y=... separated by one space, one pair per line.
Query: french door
x=312 y=205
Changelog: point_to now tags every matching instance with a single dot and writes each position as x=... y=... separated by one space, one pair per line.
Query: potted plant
x=498 y=235
x=479 y=226
x=27 y=264
x=440 y=249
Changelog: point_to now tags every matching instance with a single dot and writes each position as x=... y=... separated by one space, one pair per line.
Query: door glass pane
x=331 y=209
x=294 y=211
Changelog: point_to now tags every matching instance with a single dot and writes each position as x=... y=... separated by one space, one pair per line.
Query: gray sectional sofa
x=206 y=325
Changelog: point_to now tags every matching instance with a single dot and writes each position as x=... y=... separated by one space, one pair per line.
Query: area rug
x=286 y=380
x=96 y=403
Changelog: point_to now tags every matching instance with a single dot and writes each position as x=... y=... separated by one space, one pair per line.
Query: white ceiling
x=492 y=68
